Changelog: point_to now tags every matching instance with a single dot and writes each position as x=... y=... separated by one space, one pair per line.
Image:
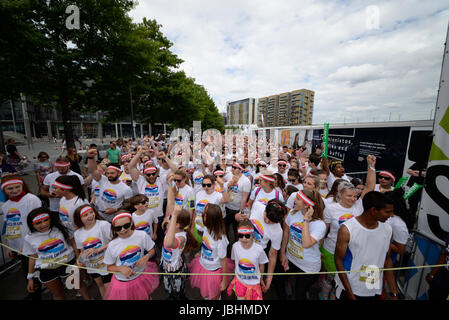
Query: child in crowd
x=144 y=218
x=250 y=260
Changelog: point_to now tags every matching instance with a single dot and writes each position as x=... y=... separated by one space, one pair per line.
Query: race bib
x=295 y=250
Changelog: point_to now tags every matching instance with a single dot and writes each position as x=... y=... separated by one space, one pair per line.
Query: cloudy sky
x=365 y=60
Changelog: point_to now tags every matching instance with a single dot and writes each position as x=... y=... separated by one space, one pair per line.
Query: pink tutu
x=137 y=289
x=209 y=285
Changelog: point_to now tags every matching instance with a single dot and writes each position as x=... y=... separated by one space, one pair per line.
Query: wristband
x=30 y=276
x=91 y=158
x=372 y=168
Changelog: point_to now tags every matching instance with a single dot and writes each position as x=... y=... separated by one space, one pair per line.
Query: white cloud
x=239 y=49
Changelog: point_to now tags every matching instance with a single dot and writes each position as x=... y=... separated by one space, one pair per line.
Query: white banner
x=433 y=219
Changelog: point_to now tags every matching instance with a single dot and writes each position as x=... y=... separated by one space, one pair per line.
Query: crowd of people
x=138 y=217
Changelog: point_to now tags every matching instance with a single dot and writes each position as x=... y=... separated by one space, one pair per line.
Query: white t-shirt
x=15 y=226
x=335 y=214
x=49 y=245
x=263 y=232
x=126 y=252
x=163 y=173
x=400 y=230
x=111 y=196
x=96 y=237
x=236 y=194
x=145 y=221
x=331 y=179
x=186 y=197
x=67 y=209
x=212 y=251
x=262 y=198
x=307 y=259
x=50 y=179
x=247 y=262
x=202 y=199
x=154 y=193
x=172 y=258
x=197 y=181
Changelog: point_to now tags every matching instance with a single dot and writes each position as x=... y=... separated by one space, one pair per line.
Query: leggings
x=174 y=284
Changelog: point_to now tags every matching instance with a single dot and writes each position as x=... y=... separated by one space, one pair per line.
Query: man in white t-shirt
x=113 y=192
x=62 y=165
x=239 y=188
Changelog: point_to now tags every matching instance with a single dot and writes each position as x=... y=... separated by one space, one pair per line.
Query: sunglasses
x=233 y=167
x=246 y=235
x=220 y=176
x=119 y=228
x=207 y=185
x=177 y=181
x=143 y=202
x=151 y=174
x=161 y=160
x=385 y=178
x=282 y=165
x=291 y=180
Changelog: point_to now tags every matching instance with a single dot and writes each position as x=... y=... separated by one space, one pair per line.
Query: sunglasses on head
x=119 y=228
x=246 y=235
x=207 y=185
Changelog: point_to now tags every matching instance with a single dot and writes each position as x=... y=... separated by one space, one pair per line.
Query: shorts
x=48 y=275
x=328 y=260
x=106 y=279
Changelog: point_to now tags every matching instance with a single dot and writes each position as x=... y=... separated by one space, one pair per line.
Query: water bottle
x=246 y=211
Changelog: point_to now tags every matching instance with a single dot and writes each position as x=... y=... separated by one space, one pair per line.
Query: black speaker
x=420 y=144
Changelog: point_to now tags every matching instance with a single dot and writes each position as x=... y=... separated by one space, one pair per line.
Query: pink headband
x=150 y=170
x=305 y=198
x=41 y=217
x=122 y=215
x=62 y=164
x=59 y=185
x=9 y=182
x=388 y=174
x=219 y=172
x=282 y=162
x=148 y=162
x=267 y=178
x=85 y=210
x=114 y=168
x=245 y=230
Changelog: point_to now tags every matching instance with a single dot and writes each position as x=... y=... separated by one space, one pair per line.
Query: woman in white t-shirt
x=250 y=260
x=92 y=238
x=50 y=244
x=128 y=255
x=212 y=258
x=303 y=229
x=261 y=195
x=208 y=194
x=20 y=202
x=72 y=195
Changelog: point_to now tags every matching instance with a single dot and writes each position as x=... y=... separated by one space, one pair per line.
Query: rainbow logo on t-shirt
x=92 y=242
x=296 y=230
x=264 y=201
x=51 y=246
x=235 y=188
x=205 y=247
x=245 y=266
x=144 y=226
x=198 y=179
x=201 y=205
x=179 y=200
x=109 y=195
x=258 y=230
x=13 y=215
x=130 y=255
x=166 y=253
x=97 y=190
x=63 y=214
x=151 y=188
x=345 y=217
